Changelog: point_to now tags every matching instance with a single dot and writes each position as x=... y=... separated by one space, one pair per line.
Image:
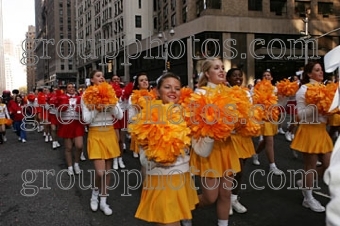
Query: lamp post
x=166 y=46
x=306 y=32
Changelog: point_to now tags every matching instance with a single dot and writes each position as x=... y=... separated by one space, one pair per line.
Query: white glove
x=203 y=146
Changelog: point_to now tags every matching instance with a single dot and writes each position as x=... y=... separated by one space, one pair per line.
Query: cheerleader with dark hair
x=120 y=126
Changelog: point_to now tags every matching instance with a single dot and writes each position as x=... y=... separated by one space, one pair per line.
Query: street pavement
x=36 y=190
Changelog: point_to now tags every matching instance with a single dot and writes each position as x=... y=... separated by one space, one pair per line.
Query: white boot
x=115 y=163
x=121 y=163
x=82 y=156
x=256 y=161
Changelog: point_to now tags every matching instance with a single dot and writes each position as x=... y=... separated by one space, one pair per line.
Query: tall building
x=55 y=22
x=105 y=28
x=42 y=72
x=15 y=71
x=252 y=34
x=30 y=64
x=2 y=60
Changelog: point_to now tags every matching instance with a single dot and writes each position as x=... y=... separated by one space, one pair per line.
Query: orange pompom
x=212 y=114
x=140 y=97
x=264 y=96
x=321 y=96
x=287 y=88
x=185 y=95
x=162 y=132
x=100 y=96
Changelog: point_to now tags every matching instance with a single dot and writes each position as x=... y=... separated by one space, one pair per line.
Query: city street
x=35 y=189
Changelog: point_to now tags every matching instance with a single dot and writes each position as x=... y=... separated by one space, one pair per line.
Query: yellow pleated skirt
x=269 y=129
x=167 y=199
x=102 y=143
x=243 y=145
x=313 y=139
x=334 y=120
x=222 y=161
x=134 y=145
x=2 y=121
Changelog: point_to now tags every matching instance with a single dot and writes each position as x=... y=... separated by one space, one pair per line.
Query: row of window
x=280 y=6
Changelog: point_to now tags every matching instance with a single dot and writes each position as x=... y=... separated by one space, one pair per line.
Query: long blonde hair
x=207 y=64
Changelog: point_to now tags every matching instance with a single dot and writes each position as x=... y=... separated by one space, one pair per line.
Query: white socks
x=272 y=165
x=186 y=222
x=95 y=194
x=308 y=194
x=222 y=222
x=233 y=197
x=103 y=200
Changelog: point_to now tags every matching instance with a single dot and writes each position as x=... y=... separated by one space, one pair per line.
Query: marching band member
x=71 y=129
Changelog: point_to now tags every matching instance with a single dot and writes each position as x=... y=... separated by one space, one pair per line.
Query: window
x=139 y=37
x=278 y=6
x=165 y=12
x=62 y=67
x=70 y=66
x=155 y=23
x=184 y=14
x=139 y=4
x=325 y=8
x=200 y=6
x=138 y=21
x=213 y=4
x=301 y=7
x=173 y=20
x=255 y=5
x=173 y=4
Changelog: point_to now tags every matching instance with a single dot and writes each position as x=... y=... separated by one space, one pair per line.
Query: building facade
x=55 y=46
x=105 y=28
x=252 y=34
x=127 y=37
x=29 y=62
x=15 y=71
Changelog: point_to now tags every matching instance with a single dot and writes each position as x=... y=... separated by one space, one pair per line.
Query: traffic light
x=168 y=65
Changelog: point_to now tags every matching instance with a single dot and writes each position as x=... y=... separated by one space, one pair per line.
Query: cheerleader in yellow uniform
x=168 y=195
x=216 y=168
x=311 y=138
x=102 y=143
x=242 y=144
x=141 y=82
x=268 y=131
x=3 y=116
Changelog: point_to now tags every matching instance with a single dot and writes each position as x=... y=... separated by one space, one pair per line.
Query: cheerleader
x=217 y=168
x=311 y=139
x=70 y=127
x=43 y=113
x=242 y=144
x=52 y=118
x=292 y=111
x=3 y=116
x=141 y=82
x=102 y=143
x=119 y=125
x=269 y=130
x=174 y=201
